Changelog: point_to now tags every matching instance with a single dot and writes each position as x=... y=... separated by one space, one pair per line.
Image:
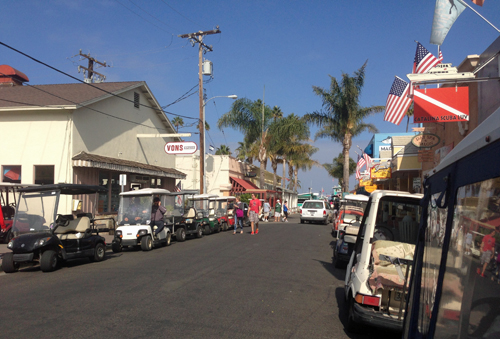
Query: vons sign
x=182 y=147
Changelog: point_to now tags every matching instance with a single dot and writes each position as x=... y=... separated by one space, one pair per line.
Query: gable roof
x=73 y=96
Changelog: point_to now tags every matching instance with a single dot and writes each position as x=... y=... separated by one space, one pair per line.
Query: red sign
x=446 y=104
x=181 y=147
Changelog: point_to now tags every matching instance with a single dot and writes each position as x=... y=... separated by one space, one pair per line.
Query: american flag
x=424 y=60
x=397 y=102
x=178 y=187
x=368 y=161
x=360 y=164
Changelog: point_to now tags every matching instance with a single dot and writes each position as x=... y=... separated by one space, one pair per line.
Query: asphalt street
x=279 y=283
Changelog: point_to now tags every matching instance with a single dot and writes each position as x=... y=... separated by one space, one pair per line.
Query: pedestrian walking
x=238 y=216
x=277 y=211
x=285 y=211
x=157 y=212
x=267 y=209
x=253 y=213
x=487 y=250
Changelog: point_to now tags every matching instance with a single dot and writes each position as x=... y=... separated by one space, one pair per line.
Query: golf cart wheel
x=207 y=230
x=351 y=326
x=217 y=228
x=169 y=239
x=116 y=247
x=48 y=261
x=180 y=234
x=224 y=227
x=301 y=221
x=199 y=232
x=146 y=243
x=8 y=264
x=99 y=252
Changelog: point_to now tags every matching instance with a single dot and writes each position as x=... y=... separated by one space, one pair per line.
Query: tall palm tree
x=252 y=118
x=336 y=169
x=223 y=150
x=177 y=121
x=300 y=159
x=341 y=117
x=282 y=132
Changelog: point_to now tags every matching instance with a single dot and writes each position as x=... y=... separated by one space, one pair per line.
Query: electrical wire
x=89 y=84
x=151 y=15
x=176 y=11
x=140 y=16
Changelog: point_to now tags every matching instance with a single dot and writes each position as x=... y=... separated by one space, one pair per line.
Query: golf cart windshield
x=36 y=212
x=221 y=208
x=352 y=211
x=135 y=209
x=200 y=205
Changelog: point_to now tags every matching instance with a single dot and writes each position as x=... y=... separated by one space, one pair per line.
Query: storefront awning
x=84 y=159
x=241 y=185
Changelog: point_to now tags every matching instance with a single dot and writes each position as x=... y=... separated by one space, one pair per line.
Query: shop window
x=108 y=203
x=44 y=174
x=11 y=174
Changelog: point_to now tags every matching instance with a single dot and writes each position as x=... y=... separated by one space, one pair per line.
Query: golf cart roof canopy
x=203 y=196
x=223 y=198
x=15 y=186
x=149 y=191
x=357 y=197
x=69 y=189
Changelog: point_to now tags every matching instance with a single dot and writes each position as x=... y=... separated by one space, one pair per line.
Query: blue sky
x=286 y=46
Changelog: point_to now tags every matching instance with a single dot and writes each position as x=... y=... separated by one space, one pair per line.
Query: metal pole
x=202 y=117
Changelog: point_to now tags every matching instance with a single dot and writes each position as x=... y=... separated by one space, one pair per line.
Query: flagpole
x=482 y=17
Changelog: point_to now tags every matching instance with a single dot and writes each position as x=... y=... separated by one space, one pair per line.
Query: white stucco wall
x=32 y=138
x=103 y=135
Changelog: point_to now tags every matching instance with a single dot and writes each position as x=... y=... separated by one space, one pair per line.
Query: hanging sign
x=425 y=140
x=445 y=104
x=181 y=147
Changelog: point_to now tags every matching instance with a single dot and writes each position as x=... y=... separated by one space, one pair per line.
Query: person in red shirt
x=254 y=207
x=487 y=250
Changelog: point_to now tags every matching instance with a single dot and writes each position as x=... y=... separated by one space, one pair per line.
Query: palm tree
x=282 y=132
x=177 y=121
x=342 y=117
x=223 y=150
x=336 y=169
x=252 y=118
x=300 y=159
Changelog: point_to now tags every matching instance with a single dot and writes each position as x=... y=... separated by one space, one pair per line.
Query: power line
x=89 y=84
x=176 y=11
x=140 y=16
x=151 y=15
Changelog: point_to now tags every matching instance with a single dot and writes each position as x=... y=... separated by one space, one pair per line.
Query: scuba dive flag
x=445 y=104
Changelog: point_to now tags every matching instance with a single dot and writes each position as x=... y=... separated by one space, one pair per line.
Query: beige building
x=84 y=133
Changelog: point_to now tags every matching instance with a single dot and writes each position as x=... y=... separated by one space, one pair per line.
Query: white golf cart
x=134 y=219
x=376 y=281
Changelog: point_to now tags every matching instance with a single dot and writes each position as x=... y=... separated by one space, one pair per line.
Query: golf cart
x=378 y=272
x=222 y=209
x=44 y=233
x=134 y=218
x=205 y=212
x=184 y=221
x=348 y=223
x=8 y=208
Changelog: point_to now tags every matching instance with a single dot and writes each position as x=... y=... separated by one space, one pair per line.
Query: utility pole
x=89 y=71
x=197 y=38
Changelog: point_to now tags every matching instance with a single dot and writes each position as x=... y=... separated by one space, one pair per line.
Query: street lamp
x=203 y=188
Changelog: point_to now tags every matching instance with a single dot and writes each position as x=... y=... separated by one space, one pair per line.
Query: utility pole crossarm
x=200 y=33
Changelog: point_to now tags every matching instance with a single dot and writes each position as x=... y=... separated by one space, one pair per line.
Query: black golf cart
x=45 y=233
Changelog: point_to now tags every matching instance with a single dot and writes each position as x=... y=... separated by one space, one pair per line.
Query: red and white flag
x=445 y=104
x=424 y=60
x=397 y=102
x=359 y=166
x=368 y=161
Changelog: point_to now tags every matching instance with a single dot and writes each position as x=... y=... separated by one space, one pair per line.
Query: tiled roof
x=84 y=159
x=59 y=94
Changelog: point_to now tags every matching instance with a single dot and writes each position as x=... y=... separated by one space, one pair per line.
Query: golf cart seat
x=189 y=215
x=76 y=229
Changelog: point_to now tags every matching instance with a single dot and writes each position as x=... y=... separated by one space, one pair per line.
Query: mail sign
x=182 y=147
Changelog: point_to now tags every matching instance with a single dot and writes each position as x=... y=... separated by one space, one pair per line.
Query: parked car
x=377 y=275
x=134 y=219
x=316 y=211
x=44 y=233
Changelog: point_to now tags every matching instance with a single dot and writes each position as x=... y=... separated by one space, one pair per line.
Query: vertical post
x=202 y=116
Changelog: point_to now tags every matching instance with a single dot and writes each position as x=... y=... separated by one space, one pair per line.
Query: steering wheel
x=488 y=321
x=62 y=220
x=383 y=233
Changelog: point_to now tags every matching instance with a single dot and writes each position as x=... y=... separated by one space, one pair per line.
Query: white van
x=378 y=271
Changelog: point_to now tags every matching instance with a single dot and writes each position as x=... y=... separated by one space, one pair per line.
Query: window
x=11 y=174
x=44 y=174
x=136 y=100
x=107 y=203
